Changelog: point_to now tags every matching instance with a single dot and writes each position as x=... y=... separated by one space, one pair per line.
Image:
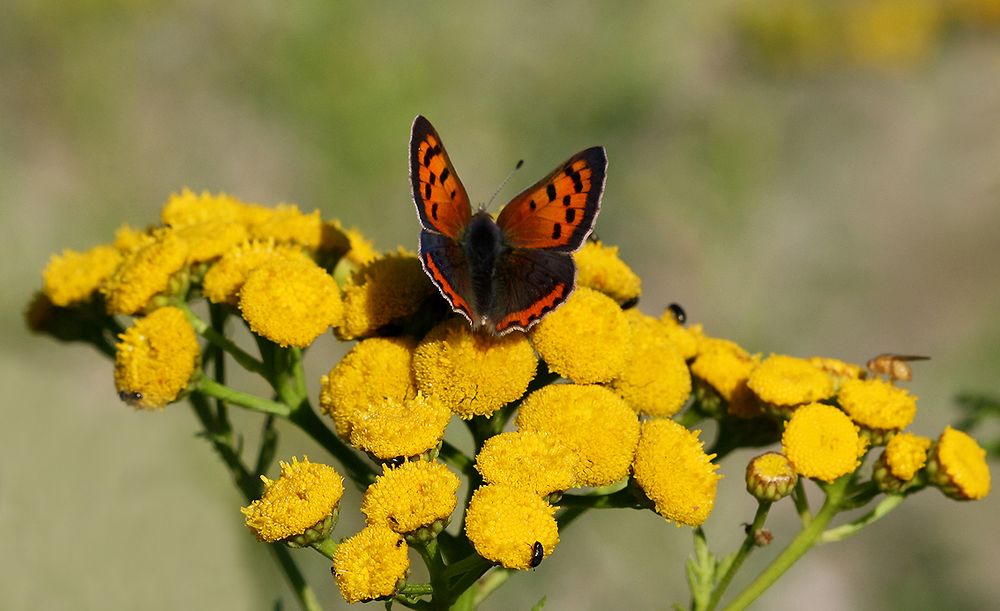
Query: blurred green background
x=804 y=176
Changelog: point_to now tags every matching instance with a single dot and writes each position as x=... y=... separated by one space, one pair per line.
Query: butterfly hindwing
x=441 y=200
x=528 y=283
x=445 y=264
x=558 y=212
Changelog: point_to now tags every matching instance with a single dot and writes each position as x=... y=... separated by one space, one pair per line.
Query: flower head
x=529 y=460
x=504 y=523
x=416 y=495
x=686 y=338
x=225 y=278
x=155 y=358
x=372 y=564
x=877 y=404
x=839 y=371
x=374 y=371
x=190 y=208
x=822 y=443
x=722 y=369
x=770 y=477
x=474 y=374
x=144 y=273
x=301 y=500
x=904 y=456
x=600 y=268
x=73 y=277
x=784 y=382
x=587 y=339
x=592 y=421
x=290 y=302
x=395 y=427
x=285 y=223
x=129 y=239
x=673 y=470
x=958 y=466
x=656 y=380
x=383 y=291
x=211 y=239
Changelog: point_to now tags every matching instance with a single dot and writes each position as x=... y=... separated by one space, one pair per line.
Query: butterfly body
x=503 y=274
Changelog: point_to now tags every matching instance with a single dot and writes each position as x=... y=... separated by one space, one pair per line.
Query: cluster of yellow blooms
x=596 y=386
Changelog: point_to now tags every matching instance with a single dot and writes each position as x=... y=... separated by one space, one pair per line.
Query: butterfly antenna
x=517 y=166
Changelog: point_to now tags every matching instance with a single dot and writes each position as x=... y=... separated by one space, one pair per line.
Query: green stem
x=441 y=596
x=748 y=544
x=880 y=511
x=618 y=499
x=807 y=537
x=489 y=583
x=211 y=388
x=327 y=547
x=203 y=329
x=456 y=458
x=307 y=598
x=801 y=502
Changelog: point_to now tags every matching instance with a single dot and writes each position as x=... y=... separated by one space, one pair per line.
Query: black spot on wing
x=445 y=173
x=427 y=190
x=570 y=214
x=556 y=231
x=430 y=153
x=550 y=190
x=532 y=204
x=434 y=211
x=577 y=180
x=567 y=200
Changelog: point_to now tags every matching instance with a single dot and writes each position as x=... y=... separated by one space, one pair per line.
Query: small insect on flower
x=537 y=554
x=678 y=313
x=133 y=398
x=894 y=366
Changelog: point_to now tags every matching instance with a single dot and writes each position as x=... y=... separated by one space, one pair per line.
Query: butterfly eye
x=678 y=313
x=537 y=554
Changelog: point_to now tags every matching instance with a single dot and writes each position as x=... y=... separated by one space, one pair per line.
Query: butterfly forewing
x=558 y=212
x=441 y=200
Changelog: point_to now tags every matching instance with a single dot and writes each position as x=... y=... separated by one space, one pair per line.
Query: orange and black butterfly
x=505 y=274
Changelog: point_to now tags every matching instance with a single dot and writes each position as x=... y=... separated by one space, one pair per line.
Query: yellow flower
x=771 y=477
x=785 y=382
x=416 y=495
x=892 y=32
x=286 y=223
x=73 y=277
x=371 y=564
x=155 y=359
x=144 y=273
x=473 y=374
x=876 y=404
x=211 y=239
x=599 y=268
x=225 y=277
x=838 y=371
x=656 y=380
x=685 y=338
x=290 y=302
x=189 y=208
x=592 y=422
x=348 y=243
x=384 y=291
x=725 y=367
x=303 y=499
x=528 y=460
x=375 y=370
x=129 y=239
x=405 y=427
x=504 y=523
x=905 y=454
x=822 y=442
x=958 y=466
x=673 y=470
x=586 y=340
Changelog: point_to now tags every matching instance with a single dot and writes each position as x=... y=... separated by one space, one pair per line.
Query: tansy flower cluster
x=597 y=406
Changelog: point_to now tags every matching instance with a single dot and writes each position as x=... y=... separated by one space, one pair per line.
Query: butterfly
x=504 y=274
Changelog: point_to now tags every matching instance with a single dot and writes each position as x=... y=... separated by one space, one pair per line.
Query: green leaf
x=540 y=604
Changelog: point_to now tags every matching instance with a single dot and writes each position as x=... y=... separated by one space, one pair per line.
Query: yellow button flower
x=600 y=268
x=587 y=339
x=504 y=523
x=211 y=239
x=290 y=302
x=591 y=421
x=656 y=380
x=405 y=427
x=286 y=223
x=190 y=208
x=303 y=499
x=876 y=404
x=528 y=460
x=416 y=495
x=473 y=374
x=722 y=369
x=72 y=277
x=144 y=273
x=348 y=242
x=673 y=470
x=958 y=466
x=822 y=442
x=784 y=382
x=225 y=277
x=384 y=291
x=839 y=371
x=129 y=239
x=905 y=454
x=685 y=338
x=372 y=564
x=375 y=370
x=155 y=358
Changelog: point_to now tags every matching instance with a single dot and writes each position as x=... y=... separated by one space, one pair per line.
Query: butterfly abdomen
x=483 y=244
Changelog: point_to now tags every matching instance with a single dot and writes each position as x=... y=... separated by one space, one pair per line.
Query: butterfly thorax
x=483 y=243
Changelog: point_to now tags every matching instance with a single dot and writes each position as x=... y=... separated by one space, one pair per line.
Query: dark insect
x=130 y=397
x=537 y=554
x=630 y=303
x=396 y=461
x=678 y=313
